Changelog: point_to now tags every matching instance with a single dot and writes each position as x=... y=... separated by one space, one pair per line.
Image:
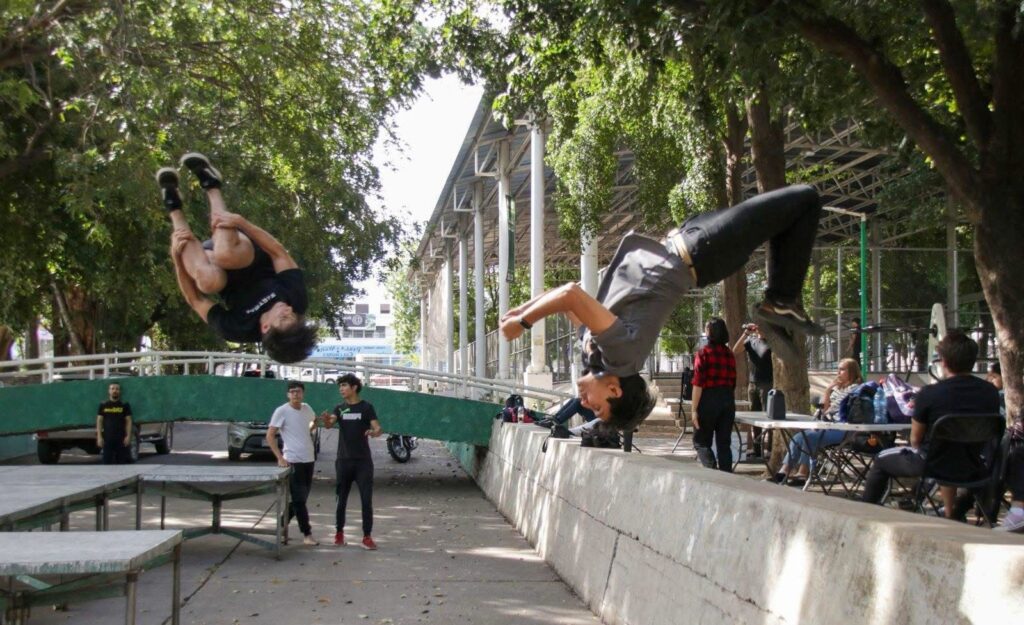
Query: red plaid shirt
x=715 y=365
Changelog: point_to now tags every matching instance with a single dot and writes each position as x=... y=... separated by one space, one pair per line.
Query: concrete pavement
x=446 y=555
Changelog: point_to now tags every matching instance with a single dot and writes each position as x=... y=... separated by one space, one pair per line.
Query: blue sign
x=345 y=351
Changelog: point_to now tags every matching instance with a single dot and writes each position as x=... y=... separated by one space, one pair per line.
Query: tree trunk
x=66 y=325
x=32 y=339
x=768 y=150
x=998 y=256
x=734 y=288
x=6 y=342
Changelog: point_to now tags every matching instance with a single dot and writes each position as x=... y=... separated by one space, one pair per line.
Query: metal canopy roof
x=852 y=176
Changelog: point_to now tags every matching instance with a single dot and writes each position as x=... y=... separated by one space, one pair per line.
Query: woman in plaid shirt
x=714 y=402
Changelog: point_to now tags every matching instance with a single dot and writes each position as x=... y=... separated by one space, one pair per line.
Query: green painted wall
x=26 y=409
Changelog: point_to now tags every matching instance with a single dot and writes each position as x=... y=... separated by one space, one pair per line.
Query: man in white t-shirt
x=294 y=420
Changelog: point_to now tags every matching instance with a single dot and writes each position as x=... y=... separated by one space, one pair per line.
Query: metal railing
x=98 y=366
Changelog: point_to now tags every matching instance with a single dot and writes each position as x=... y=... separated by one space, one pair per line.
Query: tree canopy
x=286 y=98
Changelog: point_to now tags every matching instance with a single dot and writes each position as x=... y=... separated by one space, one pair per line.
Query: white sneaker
x=1012 y=523
x=309 y=540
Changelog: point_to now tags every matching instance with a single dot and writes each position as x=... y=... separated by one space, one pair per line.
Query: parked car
x=250 y=437
x=50 y=444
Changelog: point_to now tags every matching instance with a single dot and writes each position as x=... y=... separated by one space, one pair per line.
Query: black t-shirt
x=353 y=423
x=114 y=414
x=959 y=394
x=238 y=318
x=760 y=356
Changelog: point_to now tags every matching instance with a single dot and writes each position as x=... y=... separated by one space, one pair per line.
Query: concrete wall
x=648 y=541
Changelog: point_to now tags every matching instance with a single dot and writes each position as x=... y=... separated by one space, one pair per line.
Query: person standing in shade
x=114 y=427
x=294 y=420
x=357 y=421
x=714 y=402
x=761 y=376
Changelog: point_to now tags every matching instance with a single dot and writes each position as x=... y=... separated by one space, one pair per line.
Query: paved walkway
x=446 y=556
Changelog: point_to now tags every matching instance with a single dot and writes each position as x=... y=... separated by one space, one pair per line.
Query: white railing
x=98 y=366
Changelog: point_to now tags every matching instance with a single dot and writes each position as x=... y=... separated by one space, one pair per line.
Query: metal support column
x=538 y=334
x=424 y=306
x=463 y=307
x=449 y=312
x=588 y=262
x=876 y=296
x=504 y=189
x=478 y=279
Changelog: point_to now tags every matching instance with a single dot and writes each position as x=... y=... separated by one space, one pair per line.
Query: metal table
x=46 y=568
x=37 y=496
x=794 y=423
x=208 y=483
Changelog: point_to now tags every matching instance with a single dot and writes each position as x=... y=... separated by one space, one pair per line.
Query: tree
x=288 y=99
x=945 y=71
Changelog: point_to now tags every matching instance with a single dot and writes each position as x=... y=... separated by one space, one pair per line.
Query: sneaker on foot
x=199 y=165
x=781 y=342
x=309 y=540
x=545 y=423
x=167 y=178
x=339 y=539
x=369 y=544
x=1012 y=523
x=789 y=315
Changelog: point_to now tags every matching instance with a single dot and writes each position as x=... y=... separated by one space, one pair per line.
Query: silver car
x=250 y=437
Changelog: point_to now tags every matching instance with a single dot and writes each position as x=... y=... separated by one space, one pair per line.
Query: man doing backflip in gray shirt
x=646 y=279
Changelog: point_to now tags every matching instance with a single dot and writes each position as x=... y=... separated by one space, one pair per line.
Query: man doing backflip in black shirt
x=261 y=288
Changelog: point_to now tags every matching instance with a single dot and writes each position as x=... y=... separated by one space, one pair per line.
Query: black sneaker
x=209 y=177
x=167 y=178
x=780 y=340
x=545 y=423
x=789 y=315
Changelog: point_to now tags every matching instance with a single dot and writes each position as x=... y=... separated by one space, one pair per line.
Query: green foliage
x=287 y=99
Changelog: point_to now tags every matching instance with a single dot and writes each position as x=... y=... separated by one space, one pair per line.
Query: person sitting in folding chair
x=959 y=393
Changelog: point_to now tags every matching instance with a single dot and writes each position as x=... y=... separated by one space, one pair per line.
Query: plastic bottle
x=881 y=410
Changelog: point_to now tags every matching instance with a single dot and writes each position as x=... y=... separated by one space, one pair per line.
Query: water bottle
x=881 y=410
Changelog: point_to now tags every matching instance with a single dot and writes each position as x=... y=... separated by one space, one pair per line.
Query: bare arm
x=188 y=288
x=99 y=430
x=280 y=257
x=697 y=392
x=917 y=432
x=272 y=443
x=127 y=430
x=374 y=430
x=568 y=298
x=740 y=342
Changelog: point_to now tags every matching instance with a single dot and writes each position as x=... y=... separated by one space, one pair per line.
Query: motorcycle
x=400 y=446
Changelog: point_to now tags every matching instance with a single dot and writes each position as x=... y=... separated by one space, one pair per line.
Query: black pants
x=721 y=242
x=716 y=414
x=895 y=462
x=360 y=471
x=115 y=452
x=1015 y=470
x=299 y=484
x=572 y=408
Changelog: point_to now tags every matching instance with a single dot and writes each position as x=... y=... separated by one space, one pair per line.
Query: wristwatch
x=526 y=324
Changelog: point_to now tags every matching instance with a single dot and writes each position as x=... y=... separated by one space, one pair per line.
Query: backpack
x=687 y=383
x=601 y=436
x=775 y=407
x=515 y=411
x=859 y=405
x=899 y=399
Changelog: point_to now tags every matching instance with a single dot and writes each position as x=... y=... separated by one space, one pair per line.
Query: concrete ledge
x=647 y=540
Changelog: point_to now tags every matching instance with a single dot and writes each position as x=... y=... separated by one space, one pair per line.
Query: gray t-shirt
x=642 y=286
x=294 y=426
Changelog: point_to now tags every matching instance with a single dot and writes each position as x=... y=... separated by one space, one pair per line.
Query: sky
x=412 y=174
x=431 y=132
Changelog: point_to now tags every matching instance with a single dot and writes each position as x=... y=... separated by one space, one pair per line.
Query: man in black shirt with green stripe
x=357 y=421
x=114 y=427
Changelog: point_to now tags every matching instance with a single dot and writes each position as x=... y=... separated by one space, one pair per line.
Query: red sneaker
x=339 y=539
x=369 y=544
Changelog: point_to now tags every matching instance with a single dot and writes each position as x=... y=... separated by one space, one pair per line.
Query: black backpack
x=602 y=436
x=688 y=383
